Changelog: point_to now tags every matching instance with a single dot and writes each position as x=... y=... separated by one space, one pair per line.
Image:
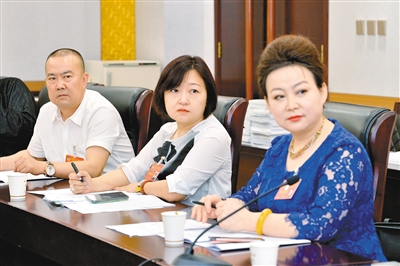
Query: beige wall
x=364 y=64
x=359 y=65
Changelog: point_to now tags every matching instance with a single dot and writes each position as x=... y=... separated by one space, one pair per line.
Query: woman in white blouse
x=186 y=159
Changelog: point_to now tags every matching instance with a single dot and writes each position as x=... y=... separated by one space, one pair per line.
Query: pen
x=202 y=203
x=76 y=170
x=234 y=239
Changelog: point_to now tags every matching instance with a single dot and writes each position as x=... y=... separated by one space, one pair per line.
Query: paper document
x=204 y=241
x=64 y=195
x=81 y=204
x=151 y=228
x=30 y=177
x=193 y=229
x=394 y=160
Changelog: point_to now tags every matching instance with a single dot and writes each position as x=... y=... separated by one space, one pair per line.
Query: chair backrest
x=17 y=83
x=133 y=104
x=395 y=146
x=231 y=112
x=373 y=126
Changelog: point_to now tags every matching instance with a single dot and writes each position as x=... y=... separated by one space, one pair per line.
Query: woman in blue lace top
x=333 y=201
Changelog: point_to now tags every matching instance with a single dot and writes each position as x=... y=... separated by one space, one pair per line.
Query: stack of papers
x=81 y=204
x=193 y=229
x=260 y=127
x=394 y=160
x=204 y=241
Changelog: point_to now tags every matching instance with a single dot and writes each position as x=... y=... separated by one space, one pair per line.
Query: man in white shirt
x=77 y=125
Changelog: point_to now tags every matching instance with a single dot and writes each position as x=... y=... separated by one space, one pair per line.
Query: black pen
x=76 y=170
x=233 y=239
x=202 y=203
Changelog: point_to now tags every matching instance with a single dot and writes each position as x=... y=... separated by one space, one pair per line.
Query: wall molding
x=379 y=101
x=35 y=86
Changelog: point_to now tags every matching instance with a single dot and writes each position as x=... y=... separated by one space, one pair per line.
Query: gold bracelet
x=140 y=185
x=260 y=222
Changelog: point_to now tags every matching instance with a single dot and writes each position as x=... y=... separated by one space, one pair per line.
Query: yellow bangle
x=140 y=186
x=260 y=222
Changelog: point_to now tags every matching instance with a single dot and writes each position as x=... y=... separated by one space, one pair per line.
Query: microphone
x=189 y=259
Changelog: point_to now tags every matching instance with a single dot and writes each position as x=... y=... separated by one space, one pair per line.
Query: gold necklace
x=293 y=154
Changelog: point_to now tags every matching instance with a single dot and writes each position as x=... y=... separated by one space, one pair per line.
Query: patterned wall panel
x=118 y=30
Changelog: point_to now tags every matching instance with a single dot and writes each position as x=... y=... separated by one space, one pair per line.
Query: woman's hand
x=77 y=186
x=128 y=188
x=202 y=213
x=237 y=222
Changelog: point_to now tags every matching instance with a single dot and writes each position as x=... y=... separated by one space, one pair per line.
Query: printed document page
x=81 y=204
x=152 y=228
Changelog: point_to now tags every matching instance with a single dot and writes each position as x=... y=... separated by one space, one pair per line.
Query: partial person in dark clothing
x=18 y=115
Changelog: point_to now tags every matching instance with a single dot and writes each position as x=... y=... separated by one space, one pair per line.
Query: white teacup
x=17 y=186
x=264 y=253
x=174 y=227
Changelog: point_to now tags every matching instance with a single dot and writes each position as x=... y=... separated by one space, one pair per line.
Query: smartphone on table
x=107 y=197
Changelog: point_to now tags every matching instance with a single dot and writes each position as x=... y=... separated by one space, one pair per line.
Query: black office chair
x=392 y=195
x=133 y=104
x=231 y=112
x=373 y=126
x=395 y=146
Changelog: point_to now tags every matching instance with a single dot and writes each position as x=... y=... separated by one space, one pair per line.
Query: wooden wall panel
x=35 y=86
x=387 y=102
x=379 y=101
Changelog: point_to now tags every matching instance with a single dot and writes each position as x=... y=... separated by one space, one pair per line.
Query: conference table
x=35 y=232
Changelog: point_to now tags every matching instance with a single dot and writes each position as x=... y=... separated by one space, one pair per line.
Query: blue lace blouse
x=334 y=202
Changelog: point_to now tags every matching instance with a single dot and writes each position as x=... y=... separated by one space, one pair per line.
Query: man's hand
x=25 y=163
x=80 y=183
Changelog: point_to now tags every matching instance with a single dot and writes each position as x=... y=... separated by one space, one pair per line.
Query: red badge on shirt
x=287 y=192
x=71 y=158
x=153 y=172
